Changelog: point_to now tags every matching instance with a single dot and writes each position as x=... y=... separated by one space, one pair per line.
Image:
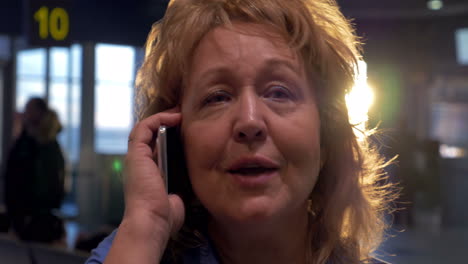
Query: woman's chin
x=254 y=212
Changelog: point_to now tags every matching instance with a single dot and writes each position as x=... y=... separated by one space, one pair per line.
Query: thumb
x=177 y=213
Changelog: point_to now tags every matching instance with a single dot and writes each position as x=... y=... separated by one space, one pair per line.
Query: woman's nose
x=250 y=124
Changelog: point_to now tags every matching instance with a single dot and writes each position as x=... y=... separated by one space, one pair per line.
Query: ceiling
x=401 y=9
x=106 y=20
x=393 y=4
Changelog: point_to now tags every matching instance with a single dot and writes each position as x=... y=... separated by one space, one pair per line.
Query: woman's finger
x=144 y=188
x=144 y=130
x=177 y=213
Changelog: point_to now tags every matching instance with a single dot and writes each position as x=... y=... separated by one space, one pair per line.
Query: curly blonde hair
x=347 y=202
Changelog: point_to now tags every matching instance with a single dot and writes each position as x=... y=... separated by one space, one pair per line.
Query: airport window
x=75 y=107
x=461 y=41
x=64 y=89
x=64 y=95
x=59 y=90
x=115 y=73
x=31 y=71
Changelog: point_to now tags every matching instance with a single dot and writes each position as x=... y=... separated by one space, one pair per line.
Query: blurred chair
x=44 y=254
x=13 y=252
x=17 y=252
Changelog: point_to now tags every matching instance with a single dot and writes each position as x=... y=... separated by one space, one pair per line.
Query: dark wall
x=116 y=21
x=10 y=17
x=113 y=21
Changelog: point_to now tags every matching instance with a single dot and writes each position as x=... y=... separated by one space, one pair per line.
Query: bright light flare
x=451 y=152
x=359 y=100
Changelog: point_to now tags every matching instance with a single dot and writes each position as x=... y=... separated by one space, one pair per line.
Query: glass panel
x=449 y=124
x=68 y=110
x=58 y=103
x=111 y=140
x=58 y=100
x=27 y=88
x=74 y=124
x=59 y=62
x=31 y=62
x=76 y=61
x=115 y=63
x=113 y=118
x=461 y=40
x=76 y=105
x=65 y=96
x=115 y=71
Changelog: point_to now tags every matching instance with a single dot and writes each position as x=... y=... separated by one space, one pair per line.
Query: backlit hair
x=347 y=202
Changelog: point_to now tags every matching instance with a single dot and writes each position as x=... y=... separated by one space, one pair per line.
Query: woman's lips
x=253 y=171
x=254 y=161
x=256 y=180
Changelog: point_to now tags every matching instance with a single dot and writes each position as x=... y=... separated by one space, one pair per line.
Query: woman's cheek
x=204 y=147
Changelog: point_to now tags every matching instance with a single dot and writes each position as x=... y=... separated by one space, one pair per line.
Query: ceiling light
x=435 y=4
x=452 y=152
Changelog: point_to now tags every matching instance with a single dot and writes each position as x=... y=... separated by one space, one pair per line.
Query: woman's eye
x=217 y=97
x=279 y=93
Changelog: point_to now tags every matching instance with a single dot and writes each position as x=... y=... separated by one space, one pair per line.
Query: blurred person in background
x=275 y=171
x=34 y=175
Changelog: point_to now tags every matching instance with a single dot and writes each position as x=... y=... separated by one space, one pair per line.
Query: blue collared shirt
x=200 y=255
x=204 y=254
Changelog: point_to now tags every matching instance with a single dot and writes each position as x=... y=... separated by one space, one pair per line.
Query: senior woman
x=276 y=173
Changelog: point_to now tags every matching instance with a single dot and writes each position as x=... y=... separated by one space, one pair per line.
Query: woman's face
x=250 y=125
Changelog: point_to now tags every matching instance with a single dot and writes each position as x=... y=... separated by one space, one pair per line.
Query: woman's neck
x=277 y=241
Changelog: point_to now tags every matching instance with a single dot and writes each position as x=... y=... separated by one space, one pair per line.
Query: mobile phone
x=161 y=143
x=171 y=160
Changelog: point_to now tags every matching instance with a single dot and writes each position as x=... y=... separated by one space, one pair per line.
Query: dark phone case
x=178 y=180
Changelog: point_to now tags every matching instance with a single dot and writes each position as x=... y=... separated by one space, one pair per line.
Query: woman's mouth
x=253 y=171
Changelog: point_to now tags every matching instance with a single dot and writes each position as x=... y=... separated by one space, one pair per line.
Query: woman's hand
x=151 y=215
x=145 y=192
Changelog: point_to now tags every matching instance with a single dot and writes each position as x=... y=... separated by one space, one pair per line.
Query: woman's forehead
x=237 y=31
x=240 y=42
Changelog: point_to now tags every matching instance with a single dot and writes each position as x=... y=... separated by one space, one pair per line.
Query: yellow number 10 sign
x=54 y=22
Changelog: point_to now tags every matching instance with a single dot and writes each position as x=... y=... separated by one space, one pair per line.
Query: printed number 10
x=56 y=23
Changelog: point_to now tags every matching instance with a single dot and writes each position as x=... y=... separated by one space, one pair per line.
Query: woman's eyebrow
x=268 y=66
x=213 y=72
